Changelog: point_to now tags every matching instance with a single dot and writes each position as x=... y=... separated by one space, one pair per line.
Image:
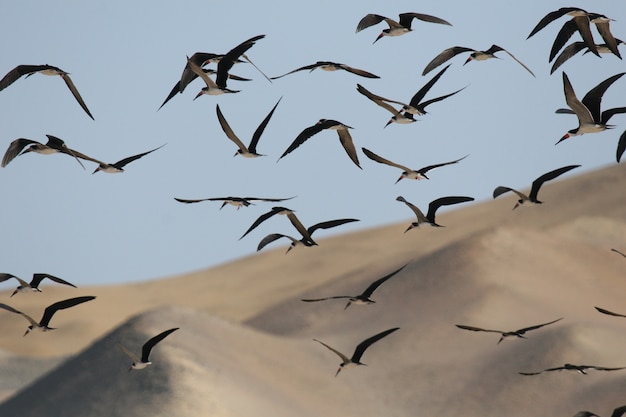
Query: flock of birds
x=587 y=110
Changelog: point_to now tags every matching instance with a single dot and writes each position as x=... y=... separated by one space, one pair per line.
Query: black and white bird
x=234 y=201
x=363 y=298
x=54 y=145
x=534 y=189
x=250 y=150
x=574 y=48
x=331 y=66
x=282 y=211
x=433 y=206
x=29 y=70
x=342 y=131
x=118 y=166
x=144 y=361
x=33 y=285
x=407 y=172
x=401 y=27
x=304 y=241
x=475 y=55
x=582 y=369
x=42 y=325
x=355 y=360
x=504 y=334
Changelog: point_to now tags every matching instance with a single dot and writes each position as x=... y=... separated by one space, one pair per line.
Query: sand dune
x=245 y=346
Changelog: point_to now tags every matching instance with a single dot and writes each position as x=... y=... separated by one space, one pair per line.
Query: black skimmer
x=145 y=350
x=118 y=166
x=609 y=313
x=618 y=412
x=415 y=106
x=304 y=241
x=250 y=150
x=396 y=115
x=54 y=145
x=284 y=211
x=582 y=369
x=429 y=219
x=224 y=65
x=363 y=298
x=28 y=70
x=401 y=27
x=342 y=130
x=407 y=172
x=48 y=313
x=33 y=285
x=534 y=189
x=504 y=334
x=331 y=66
x=358 y=352
x=234 y=201
x=475 y=55
x=574 y=48
x=590 y=120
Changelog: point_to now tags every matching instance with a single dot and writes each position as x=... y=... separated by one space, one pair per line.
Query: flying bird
x=250 y=150
x=118 y=166
x=569 y=367
x=54 y=145
x=342 y=130
x=304 y=241
x=609 y=313
x=398 y=28
x=504 y=334
x=406 y=171
x=358 y=352
x=396 y=115
x=434 y=205
x=534 y=189
x=234 y=201
x=475 y=55
x=365 y=296
x=33 y=285
x=331 y=66
x=574 y=48
x=48 y=313
x=590 y=120
x=283 y=211
x=29 y=70
x=145 y=350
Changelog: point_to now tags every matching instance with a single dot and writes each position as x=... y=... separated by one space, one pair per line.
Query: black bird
x=503 y=334
x=365 y=296
x=235 y=201
x=118 y=166
x=145 y=350
x=342 y=130
x=434 y=205
x=250 y=150
x=609 y=313
x=331 y=66
x=475 y=55
x=358 y=352
x=48 y=313
x=54 y=145
x=406 y=171
x=569 y=367
x=536 y=185
x=401 y=27
x=29 y=70
x=304 y=241
x=33 y=285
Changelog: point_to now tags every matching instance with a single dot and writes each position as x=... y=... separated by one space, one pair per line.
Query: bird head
x=412 y=226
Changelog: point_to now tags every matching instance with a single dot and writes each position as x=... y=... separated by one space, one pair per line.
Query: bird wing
x=259 y=130
x=374 y=285
x=188 y=75
x=429 y=167
x=175 y=90
x=14 y=149
x=534 y=190
x=329 y=224
x=610 y=313
x=417 y=97
x=299 y=227
x=12 y=310
x=593 y=99
x=262 y=218
x=407 y=18
x=418 y=213
x=4 y=277
x=130 y=354
x=381 y=101
x=228 y=60
x=228 y=130
x=444 y=56
x=310 y=300
x=496 y=48
x=357 y=71
x=302 y=137
x=245 y=57
x=423 y=105
x=200 y=73
x=343 y=357
x=17 y=72
x=369 y=20
x=61 y=305
x=616 y=251
x=606 y=115
x=583 y=114
x=123 y=162
x=619 y=411
x=268 y=199
x=621 y=146
x=569 y=51
x=580 y=24
x=550 y=17
x=605 y=31
x=377 y=158
x=537 y=326
x=75 y=93
x=361 y=347
x=147 y=347
x=306 y=67
x=37 y=278
x=444 y=201
x=501 y=190
x=182 y=200
x=272 y=237
x=346 y=141
x=477 y=329
x=602 y=368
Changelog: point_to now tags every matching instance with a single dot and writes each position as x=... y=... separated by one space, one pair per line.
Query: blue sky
x=124 y=57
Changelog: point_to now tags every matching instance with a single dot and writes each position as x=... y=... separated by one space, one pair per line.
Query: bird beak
x=563 y=138
x=26 y=332
x=468 y=60
x=376 y=40
x=130 y=369
x=388 y=123
x=14 y=292
x=236 y=153
x=338 y=370
x=347 y=305
x=96 y=170
x=198 y=95
x=401 y=176
x=408 y=228
x=515 y=206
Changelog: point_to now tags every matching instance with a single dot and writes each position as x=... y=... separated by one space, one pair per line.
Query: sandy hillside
x=245 y=345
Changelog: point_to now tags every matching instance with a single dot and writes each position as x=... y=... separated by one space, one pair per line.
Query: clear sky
x=124 y=57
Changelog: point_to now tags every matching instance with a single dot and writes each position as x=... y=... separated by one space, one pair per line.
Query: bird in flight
x=234 y=201
x=582 y=369
x=397 y=28
x=118 y=166
x=54 y=145
x=504 y=334
x=331 y=66
x=144 y=361
x=433 y=206
x=304 y=241
x=33 y=285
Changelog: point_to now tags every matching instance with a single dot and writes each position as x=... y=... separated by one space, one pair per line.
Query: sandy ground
x=245 y=341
